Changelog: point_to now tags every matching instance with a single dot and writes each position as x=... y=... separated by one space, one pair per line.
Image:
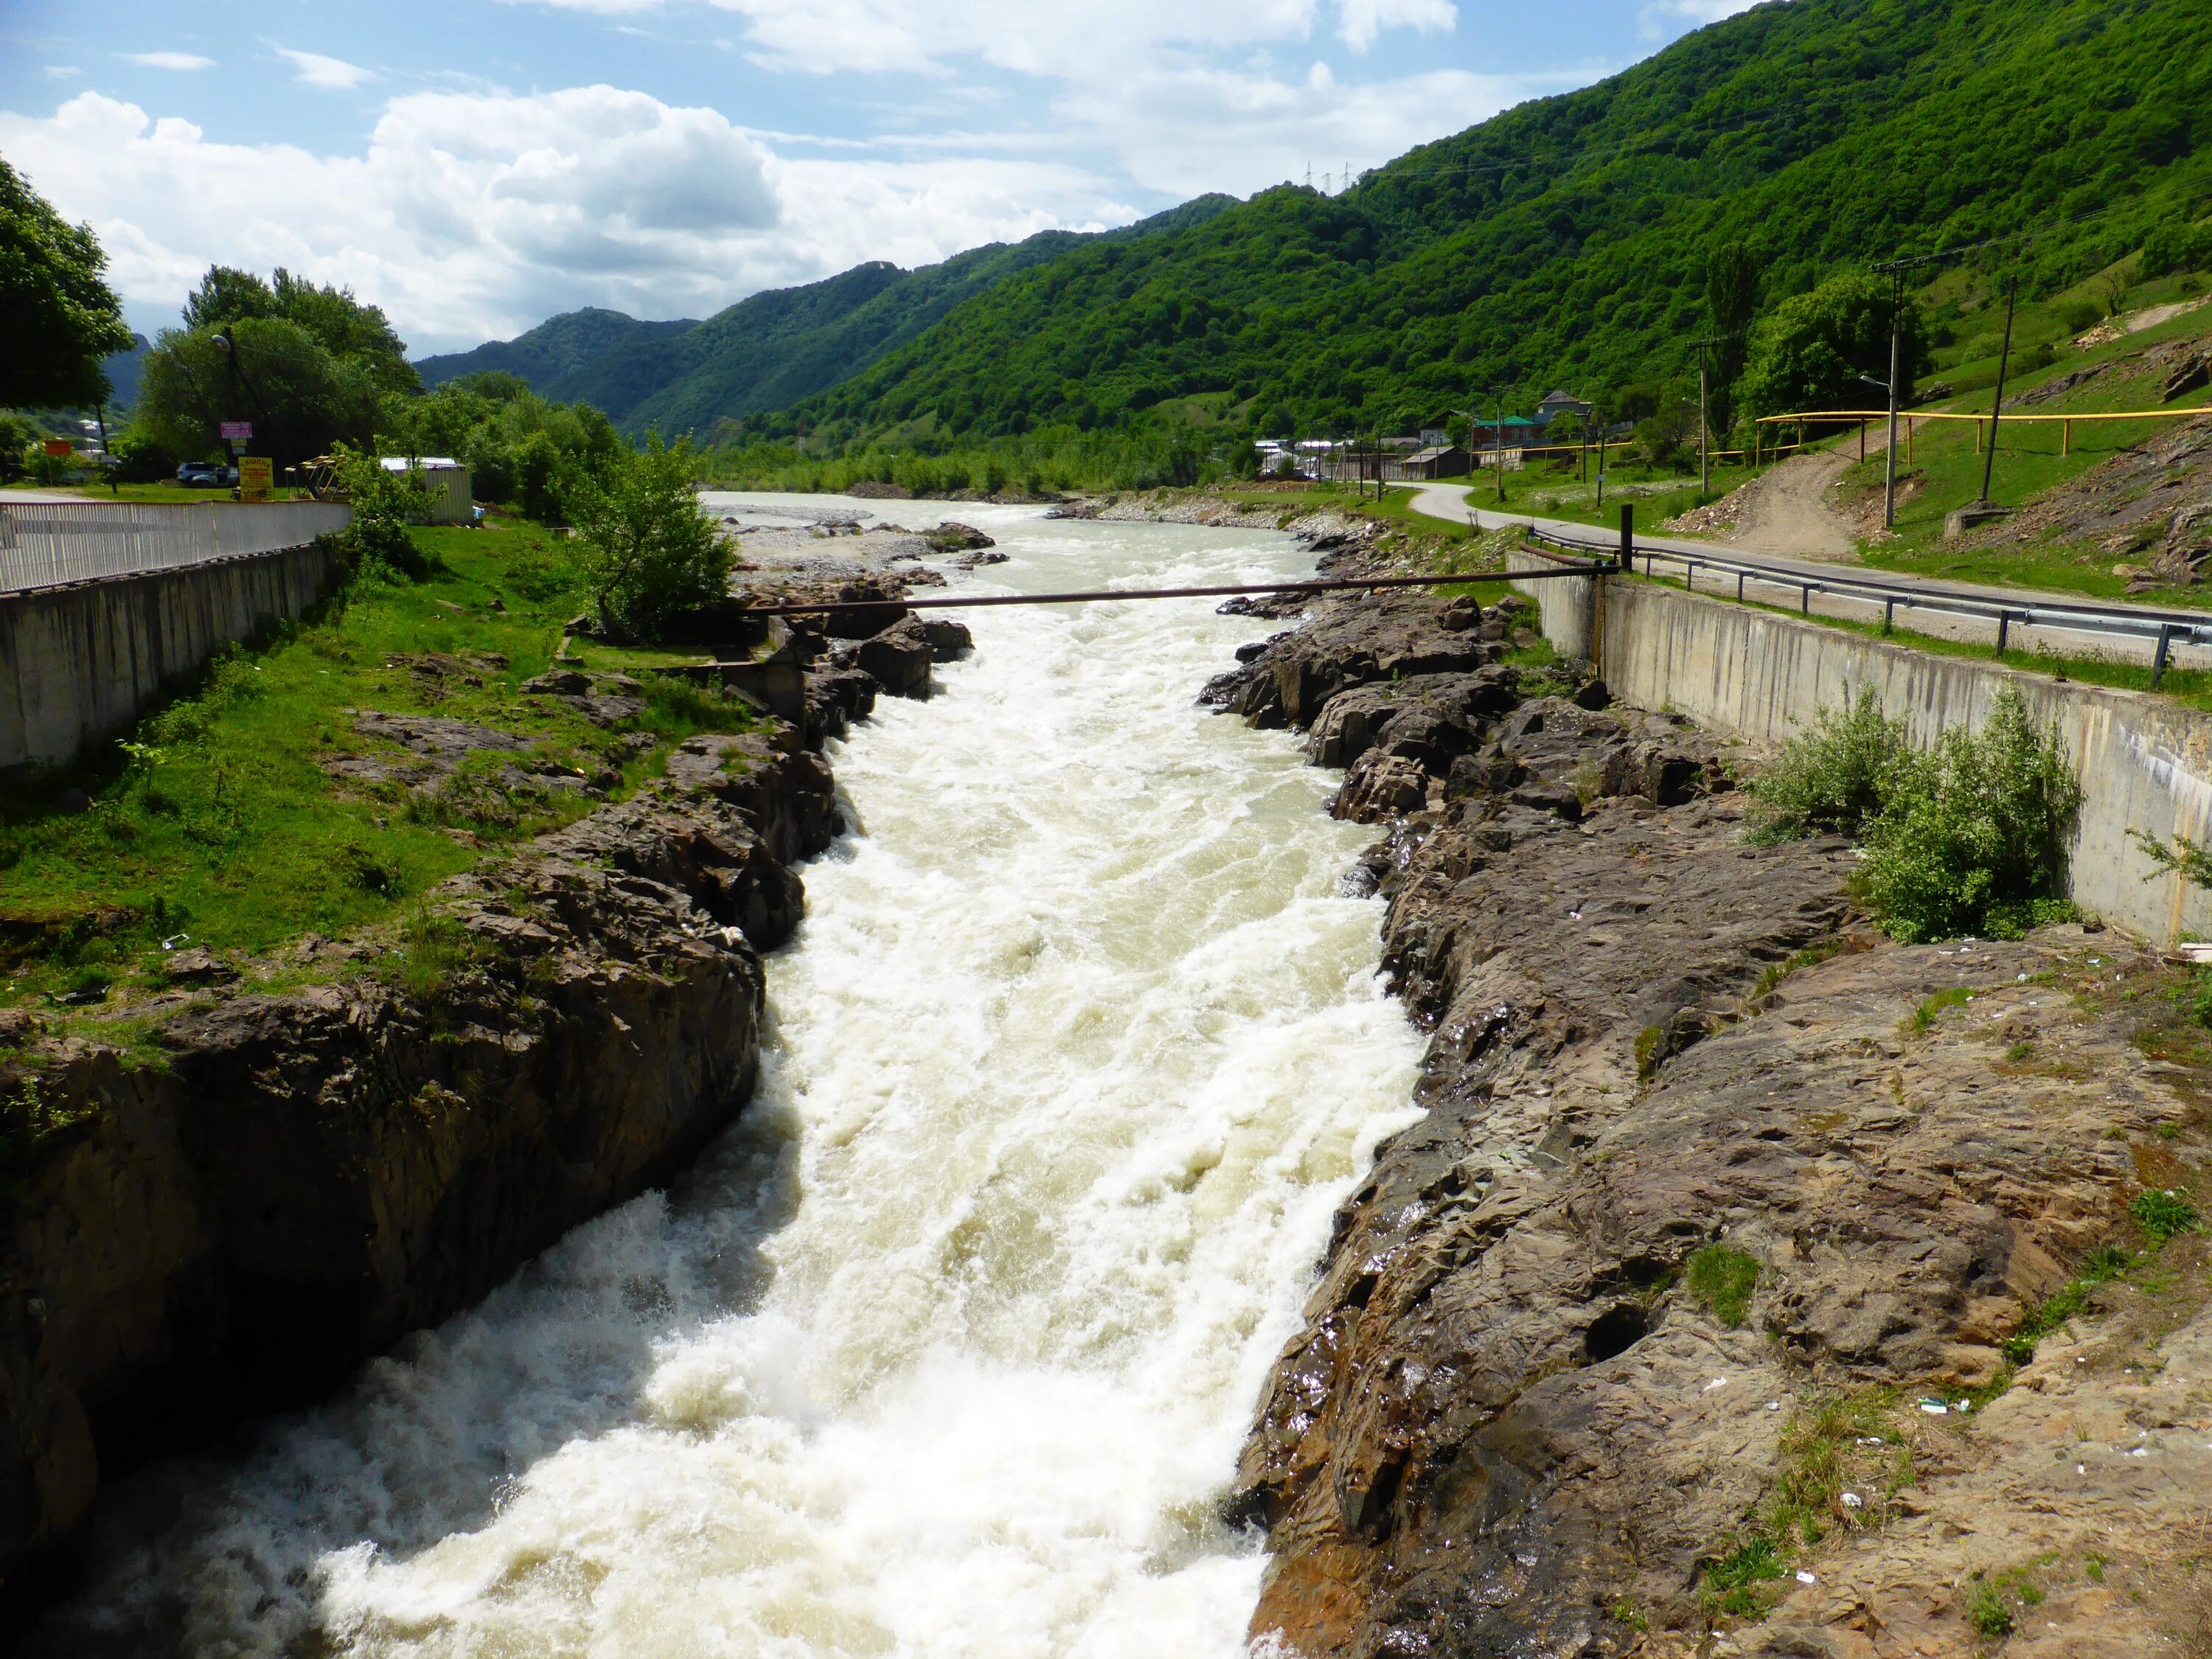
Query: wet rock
x=953 y=537
x=898 y=658
x=949 y=641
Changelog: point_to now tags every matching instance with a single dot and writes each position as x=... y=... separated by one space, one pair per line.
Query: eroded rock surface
x=312 y=1172
x=1518 y=1420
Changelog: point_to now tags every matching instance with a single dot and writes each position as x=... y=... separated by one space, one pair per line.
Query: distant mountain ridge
x=773 y=349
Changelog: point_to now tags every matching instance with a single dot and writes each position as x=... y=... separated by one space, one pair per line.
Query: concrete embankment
x=80 y=662
x=2145 y=762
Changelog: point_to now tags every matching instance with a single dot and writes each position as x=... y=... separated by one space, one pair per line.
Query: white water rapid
x=950 y=1349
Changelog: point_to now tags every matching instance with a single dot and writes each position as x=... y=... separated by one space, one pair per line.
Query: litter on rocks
x=1935 y=1408
x=1805 y=1578
x=1851 y=1500
x=1717 y=1382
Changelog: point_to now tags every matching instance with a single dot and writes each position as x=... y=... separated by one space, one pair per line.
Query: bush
x=649 y=553
x=1829 y=781
x=1971 y=838
x=376 y=539
x=2176 y=247
x=2163 y=1214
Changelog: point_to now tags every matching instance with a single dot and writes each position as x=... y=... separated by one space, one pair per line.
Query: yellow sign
x=255 y=475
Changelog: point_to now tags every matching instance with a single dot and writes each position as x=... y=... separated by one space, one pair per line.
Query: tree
x=649 y=553
x=271 y=372
x=58 y=315
x=349 y=330
x=1811 y=351
x=1731 y=301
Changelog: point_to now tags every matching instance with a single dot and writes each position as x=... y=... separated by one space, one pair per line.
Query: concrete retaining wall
x=1566 y=604
x=2144 y=762
x=78 y=664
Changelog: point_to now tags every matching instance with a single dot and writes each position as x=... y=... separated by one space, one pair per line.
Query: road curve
x=1450 y=502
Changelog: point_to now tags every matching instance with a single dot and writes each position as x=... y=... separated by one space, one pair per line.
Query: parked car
x=206 y=475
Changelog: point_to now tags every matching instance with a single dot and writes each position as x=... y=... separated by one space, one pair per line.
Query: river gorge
x=949 y=1346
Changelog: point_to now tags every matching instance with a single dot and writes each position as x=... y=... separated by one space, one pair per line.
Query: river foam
x=950 y=1348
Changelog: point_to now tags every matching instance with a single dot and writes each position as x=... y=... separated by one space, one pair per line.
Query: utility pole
x=1896 y=356
x=1996 y=405
x=1704 y=429
x=1600 y=425
x=1499 y=395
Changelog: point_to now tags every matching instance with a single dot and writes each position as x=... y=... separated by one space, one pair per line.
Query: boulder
x=898 y=658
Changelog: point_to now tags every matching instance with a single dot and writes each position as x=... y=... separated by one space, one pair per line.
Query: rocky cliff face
x=355 y=1141
x=1625 y=1338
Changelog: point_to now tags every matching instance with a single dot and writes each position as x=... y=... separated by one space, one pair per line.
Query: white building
x=452 y=500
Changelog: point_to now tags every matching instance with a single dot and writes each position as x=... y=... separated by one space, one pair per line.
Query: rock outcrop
x=307 y=1173
x=1713 y=1181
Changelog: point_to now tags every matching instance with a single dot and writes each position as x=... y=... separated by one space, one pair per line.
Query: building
x=1431 y=461
x=452 y=500
x=1556 y=403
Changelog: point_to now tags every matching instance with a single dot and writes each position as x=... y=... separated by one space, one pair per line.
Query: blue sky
x=475 y=167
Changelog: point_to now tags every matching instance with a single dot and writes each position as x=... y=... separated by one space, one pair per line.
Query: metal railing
x=52 y=543
x=2162 y=629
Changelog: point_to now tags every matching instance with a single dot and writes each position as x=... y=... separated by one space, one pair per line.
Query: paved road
x=1450 y=502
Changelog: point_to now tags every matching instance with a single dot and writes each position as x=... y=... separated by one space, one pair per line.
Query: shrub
x=1971 y=838
x=2163 y=1212
x=376 y=539
x=1988 y=1610
x=649 y=553
x=1830 y=780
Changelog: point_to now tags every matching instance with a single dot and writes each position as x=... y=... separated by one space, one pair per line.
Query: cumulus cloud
x=1363 y=21
x=312 y=69
x=469 y=216
x=168 y=60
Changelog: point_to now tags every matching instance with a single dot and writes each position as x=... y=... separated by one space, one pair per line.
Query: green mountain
x=1567 y=242
x=771 y=350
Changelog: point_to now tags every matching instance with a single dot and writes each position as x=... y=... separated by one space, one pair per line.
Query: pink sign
x=235 y=432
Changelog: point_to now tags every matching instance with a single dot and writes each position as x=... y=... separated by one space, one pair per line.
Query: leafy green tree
x=1812 y=349
x=57 y=316
x=650 y=554
x=267 y=370
x=343 y=325
x=1731 y=301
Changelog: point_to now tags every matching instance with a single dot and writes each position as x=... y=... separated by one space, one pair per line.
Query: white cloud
x=168 y=60
x=1364 y=21
x=61 y=72
x=312 y=69
x=469 y=216
x=1661 y=15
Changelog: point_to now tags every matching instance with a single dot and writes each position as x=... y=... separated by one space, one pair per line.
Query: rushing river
x=949 y=1349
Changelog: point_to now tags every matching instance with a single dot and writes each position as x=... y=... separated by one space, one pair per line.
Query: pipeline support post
x=2004 y=629
x=1627 y=536
x=2158 y=659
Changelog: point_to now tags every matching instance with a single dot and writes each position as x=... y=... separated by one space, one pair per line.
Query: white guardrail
x=50 y=543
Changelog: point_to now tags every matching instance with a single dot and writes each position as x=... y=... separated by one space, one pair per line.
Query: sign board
x=255 y=475
x=60 y=448
x=235 y=432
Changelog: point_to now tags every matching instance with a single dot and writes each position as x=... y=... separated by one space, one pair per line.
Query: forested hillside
x=769 y=352
x=1568 y=241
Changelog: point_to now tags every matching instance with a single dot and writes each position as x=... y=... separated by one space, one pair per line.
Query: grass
x=1721 y=1281
x=1545 y=492
x=1948 y=468
x=1923 y=1017
x=2163 y=1212
x=1774 y=972
x=164 y=493
x=1842 y=1462
x=214 y=823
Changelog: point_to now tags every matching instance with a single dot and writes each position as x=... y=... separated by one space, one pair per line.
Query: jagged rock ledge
x=1516 y=1420
x=301 y=1175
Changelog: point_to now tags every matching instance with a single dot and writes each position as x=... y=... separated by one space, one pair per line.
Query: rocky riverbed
x=1752 y=1284
x=272 y=1173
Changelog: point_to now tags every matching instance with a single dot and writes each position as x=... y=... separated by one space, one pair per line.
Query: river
x=949 y=1348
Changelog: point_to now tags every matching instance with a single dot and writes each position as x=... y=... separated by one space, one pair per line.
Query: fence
x=2160 y=630
x=52 y=543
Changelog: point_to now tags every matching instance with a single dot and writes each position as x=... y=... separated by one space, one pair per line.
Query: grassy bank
x=217 y=823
